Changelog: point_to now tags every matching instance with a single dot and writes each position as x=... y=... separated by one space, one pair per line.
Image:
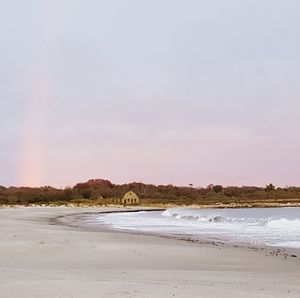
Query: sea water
x=262 y=226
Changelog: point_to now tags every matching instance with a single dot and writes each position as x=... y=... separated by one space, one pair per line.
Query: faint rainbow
x=32 y=150
x=31 y=170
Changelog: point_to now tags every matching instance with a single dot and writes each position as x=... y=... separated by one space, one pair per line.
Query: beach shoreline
x=79 y=221
x=41 y=258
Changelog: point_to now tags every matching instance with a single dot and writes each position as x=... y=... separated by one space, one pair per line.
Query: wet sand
x=41 y=258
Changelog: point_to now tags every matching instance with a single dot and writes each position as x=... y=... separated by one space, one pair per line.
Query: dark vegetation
x=101 y=192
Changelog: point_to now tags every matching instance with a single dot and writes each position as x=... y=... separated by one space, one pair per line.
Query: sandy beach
x=39 y=258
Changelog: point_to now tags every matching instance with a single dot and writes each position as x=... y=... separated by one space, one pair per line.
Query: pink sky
x=163 y=92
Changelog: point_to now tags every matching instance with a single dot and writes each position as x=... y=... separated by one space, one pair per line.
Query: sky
x=161 y=91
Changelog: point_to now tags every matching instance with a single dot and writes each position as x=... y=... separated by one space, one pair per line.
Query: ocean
x=260 y=226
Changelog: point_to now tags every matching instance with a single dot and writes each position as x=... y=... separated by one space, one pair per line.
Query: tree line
x=101 y=192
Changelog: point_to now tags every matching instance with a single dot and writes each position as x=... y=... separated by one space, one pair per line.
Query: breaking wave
x=283 y=223
x=200 y=216
x=266 y=226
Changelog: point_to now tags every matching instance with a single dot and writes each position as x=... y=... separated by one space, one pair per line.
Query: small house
x=130 y=198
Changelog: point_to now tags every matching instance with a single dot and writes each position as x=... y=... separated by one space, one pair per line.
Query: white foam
x=284 y=225
x=271 y=226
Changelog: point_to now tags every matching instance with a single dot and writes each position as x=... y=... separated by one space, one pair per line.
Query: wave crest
x=196 y=215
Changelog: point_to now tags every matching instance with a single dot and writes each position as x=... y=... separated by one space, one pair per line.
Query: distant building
x=130 y=198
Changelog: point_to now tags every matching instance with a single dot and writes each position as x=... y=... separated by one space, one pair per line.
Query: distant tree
x=210 y=186
x=269 y=187
x=217 y=188
x=86 y=193
x=67 y=194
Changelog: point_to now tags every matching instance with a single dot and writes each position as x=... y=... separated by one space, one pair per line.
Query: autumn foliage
x=101 y=192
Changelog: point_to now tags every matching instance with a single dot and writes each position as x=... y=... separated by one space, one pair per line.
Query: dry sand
x=40 y=259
